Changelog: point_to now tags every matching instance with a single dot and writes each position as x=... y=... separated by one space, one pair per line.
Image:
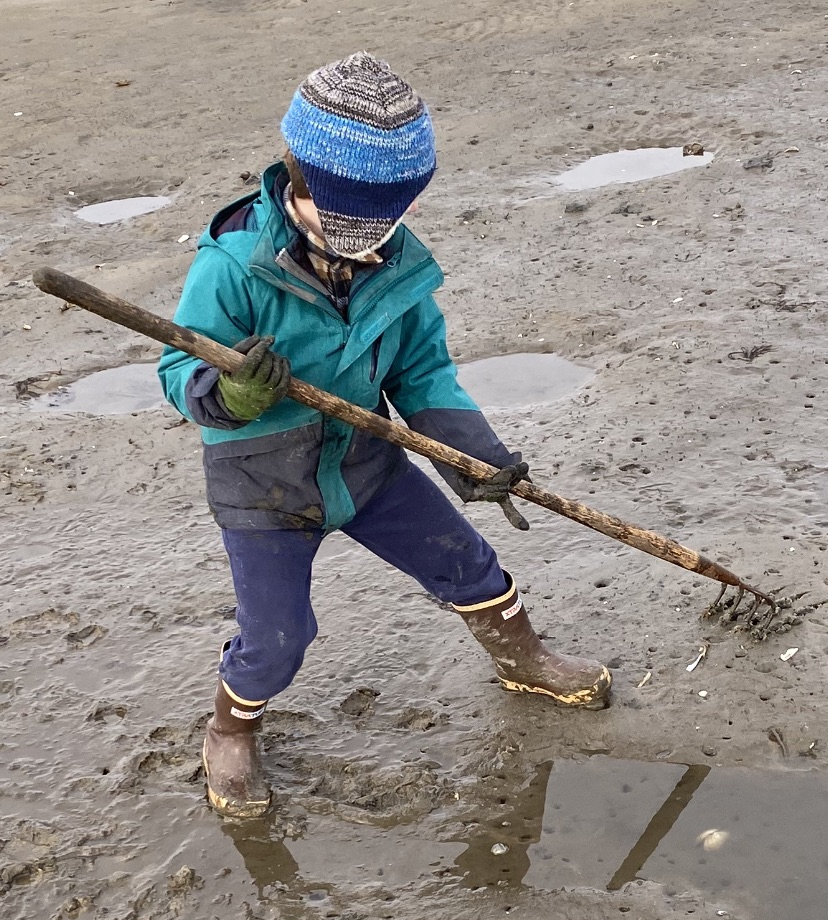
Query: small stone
x=499 y=849
x=183 y=880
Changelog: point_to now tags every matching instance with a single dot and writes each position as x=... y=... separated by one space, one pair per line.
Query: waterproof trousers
x=411 y=525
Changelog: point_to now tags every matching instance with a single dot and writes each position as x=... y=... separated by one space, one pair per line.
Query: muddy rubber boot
x=522 y=662
x=236 y=784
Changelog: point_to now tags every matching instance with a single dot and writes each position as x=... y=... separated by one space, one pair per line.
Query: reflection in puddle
x=330 y=853
x=107 y=212
x=505 y=381
x=266 y=857
x=508 y=381
x=116 y=391
x=603 y=823
x=629 y=166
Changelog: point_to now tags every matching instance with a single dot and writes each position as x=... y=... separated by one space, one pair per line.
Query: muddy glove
x=496 y=489
x=259 y=383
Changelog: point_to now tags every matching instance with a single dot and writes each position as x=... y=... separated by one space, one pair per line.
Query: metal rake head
x=762 y=614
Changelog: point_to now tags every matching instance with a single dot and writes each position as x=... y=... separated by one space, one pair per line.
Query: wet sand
x=697 y=301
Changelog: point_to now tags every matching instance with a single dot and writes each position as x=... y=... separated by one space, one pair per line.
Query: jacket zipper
x=397 y=281
x=375 y=359
x=293 y=268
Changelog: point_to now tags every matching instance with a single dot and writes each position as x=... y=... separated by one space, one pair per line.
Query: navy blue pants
x=411 y=525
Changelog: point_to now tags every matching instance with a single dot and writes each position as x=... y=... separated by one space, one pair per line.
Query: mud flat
x=693 y=305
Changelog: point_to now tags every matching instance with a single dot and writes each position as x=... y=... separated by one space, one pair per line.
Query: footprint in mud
x=104 y=711
x=161 y=761
x=166 y=733
x=88 y=635
x=359 y=701
x=419 y=720
x=281 y=725
x=26 y=851
x=362 y=790
x=8 y=691
x=179 y=761
x=180 y=734
x=42 y=624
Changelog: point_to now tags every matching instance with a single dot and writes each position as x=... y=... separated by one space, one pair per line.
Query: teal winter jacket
x=293 y=467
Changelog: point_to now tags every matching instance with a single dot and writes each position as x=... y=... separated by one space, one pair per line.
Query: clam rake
x=757 y=616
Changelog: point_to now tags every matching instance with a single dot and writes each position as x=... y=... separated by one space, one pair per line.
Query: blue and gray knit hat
x=364 y=142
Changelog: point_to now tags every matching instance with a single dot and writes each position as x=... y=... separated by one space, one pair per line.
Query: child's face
x=309 y=214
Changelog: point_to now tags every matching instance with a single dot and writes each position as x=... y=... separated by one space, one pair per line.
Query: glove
x=259 y=383
x=496 y=489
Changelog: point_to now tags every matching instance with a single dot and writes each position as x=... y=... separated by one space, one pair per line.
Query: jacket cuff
x=465 y=430
x=204 y=400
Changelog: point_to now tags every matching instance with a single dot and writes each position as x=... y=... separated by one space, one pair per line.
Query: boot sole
x=227 y=808
x=595 y=697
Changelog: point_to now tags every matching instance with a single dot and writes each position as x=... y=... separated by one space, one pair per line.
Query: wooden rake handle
x=126 y=314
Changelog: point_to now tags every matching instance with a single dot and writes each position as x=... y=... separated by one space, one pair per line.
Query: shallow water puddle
x=332 y=853
x=629 y=166
x=108 y=212
x=116 y=391
x=505 y=381
x=753 y=839
x=509 y=381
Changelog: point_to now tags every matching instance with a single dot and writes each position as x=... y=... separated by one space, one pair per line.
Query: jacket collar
x=409 y=271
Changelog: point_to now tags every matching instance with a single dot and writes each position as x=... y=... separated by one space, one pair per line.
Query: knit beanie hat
x=364 y=142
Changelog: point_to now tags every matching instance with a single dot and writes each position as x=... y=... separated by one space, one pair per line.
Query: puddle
x=331 y=853
x=508 y=381
x=629 y=166
x=116 y=391
x=605 y=822
x=108 y=212
x=502 y=382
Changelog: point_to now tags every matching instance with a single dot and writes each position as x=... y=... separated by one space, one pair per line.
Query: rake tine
x=715 y=607
x=762 y=628
x=730 y=609
x=735 y=607
x=752 y=620
x=754 y=607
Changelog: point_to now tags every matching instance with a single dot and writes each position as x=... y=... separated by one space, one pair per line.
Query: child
x=315 y=274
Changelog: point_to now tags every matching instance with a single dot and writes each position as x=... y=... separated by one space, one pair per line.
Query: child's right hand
x=496 y=489
x=260 y=382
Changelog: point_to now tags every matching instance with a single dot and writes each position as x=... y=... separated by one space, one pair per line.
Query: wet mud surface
x=696 y=305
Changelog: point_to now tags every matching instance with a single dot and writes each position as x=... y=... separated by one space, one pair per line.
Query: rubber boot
x=236 y=784
x=522 y=662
